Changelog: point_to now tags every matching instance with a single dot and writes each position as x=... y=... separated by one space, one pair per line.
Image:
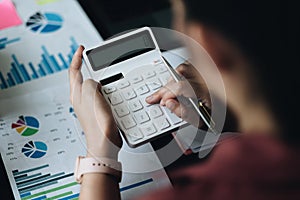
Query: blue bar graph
x=40 y=198
x=5 y=41
x=34 y=73
x=25 y=194
x=22 y=178
x=49 y=64
x=42 y=72
x=132 y=186
x=55 y=64
x=4 y=83
x=128 y=187
x=21 y=68
x=17 y=172
x=18 y=72
x=65 y=63
x=10 y=79
x=73 y=196
x=46 y=65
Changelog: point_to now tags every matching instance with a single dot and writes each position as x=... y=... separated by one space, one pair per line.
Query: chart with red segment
x=26 y=125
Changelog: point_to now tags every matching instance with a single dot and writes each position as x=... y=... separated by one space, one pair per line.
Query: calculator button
x=136 y=79
x=123 y=84
x=128 y=122
x=149 y=74
x=129 y=94
x=155 y=111
x=121 y=110
x=135 y=135
x=154 y=84
x=109 y=89
x=115 y=98
x=156 y=62
x=164 y=78
x=143 y=89
x=141 y=117
x=162 y=123
x=135 y=105
x=143 y=101
x=161 y=68
x=171 y=116
x=149 y=129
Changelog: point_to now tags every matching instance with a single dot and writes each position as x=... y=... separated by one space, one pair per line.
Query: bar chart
x=37 y=183
x=5 y=41
x=49 y=64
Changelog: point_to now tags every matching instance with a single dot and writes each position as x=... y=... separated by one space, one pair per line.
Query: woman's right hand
x=93 y=112
x=192 y=86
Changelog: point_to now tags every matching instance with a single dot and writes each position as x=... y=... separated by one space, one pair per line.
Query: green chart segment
x=26 y=125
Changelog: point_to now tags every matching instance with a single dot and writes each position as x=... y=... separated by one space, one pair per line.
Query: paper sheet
x=8 y=15
x=39 y=134
x=40 y=140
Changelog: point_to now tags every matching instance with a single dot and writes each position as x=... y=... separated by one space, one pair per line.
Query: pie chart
x=44 y=22
x=26 y=125
x=34 y=149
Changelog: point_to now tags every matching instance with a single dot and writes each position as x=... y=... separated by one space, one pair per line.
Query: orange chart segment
x=20 y=129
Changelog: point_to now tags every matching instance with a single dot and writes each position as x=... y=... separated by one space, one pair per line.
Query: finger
x=75 y=75
x=174 y=107
x=187 y=113
x=157 y=96
x=173 y=90
x=170 y=91
x=186 y=70
x=75 y=66
x=169 y=94
x=180 y=69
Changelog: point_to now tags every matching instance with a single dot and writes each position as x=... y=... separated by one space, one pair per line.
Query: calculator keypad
x=139 y=120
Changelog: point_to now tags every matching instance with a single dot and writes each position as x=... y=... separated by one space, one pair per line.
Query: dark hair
x=266 y=32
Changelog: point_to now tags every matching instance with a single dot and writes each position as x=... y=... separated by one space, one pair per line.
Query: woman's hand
x=93 y=112
x=171 y=94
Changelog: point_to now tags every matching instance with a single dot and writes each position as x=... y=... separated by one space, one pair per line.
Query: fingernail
x=149 y=98
x=170 y=105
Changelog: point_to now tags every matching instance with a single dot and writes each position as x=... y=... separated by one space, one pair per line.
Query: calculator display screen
x=120 y=50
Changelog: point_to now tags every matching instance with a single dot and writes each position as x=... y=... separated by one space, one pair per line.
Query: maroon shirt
x=248 y=167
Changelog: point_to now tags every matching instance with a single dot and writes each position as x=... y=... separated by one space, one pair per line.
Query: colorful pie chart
x=34 y=149
x=26 y=125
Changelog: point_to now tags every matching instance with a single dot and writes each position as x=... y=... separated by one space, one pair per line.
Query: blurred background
x=115 y=16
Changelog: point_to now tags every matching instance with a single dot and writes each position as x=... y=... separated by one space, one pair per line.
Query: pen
x=200 y=108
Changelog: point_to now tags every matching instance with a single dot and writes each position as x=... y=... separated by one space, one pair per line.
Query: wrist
x=98 y=165
x=102 y=146
x=92 y=153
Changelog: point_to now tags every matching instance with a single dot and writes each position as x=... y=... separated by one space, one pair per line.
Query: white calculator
x=130 y=67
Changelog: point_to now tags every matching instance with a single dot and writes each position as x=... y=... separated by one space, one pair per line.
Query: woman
x=251 y=43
